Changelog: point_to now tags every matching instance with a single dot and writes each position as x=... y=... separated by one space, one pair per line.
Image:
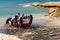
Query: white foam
x=28 y=4
x=24 y=5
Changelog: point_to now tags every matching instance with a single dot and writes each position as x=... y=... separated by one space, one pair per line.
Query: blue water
x=10 y=8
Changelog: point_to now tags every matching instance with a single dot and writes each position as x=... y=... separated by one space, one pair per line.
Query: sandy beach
x=49 y=29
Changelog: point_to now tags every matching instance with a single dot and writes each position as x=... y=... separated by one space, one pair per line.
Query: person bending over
x=8 y=21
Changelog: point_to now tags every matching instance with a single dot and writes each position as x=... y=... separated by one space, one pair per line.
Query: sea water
x=9 y=8
x=10 y=12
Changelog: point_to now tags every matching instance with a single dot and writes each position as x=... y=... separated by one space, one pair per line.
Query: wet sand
x=49 y=30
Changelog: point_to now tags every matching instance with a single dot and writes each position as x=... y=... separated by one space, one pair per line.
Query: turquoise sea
x=9 y=8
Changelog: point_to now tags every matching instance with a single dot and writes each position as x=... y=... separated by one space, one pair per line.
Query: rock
x=8 y=37
x=27 y=33
x=54 y=13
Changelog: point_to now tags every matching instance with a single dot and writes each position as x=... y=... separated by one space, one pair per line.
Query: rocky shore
x=47 y=29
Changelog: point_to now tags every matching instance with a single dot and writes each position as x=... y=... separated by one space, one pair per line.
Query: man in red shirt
x=16 y=22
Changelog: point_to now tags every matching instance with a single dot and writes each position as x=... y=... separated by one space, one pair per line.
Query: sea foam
x=28 y=4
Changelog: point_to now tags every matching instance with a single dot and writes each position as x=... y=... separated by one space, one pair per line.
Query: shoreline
x=42 y=20
x=34 y=15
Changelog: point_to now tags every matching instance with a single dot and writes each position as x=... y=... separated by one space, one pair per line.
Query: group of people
x=20 y=21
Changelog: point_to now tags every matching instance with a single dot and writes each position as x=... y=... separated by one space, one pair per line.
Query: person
x=8 y=21
x=25 y=22
x=31 y=19
x=21 y=22
x=22 y=15
x=15 y=22
x=18 y=16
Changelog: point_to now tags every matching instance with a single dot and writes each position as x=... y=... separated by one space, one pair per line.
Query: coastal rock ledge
x=8 y=37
